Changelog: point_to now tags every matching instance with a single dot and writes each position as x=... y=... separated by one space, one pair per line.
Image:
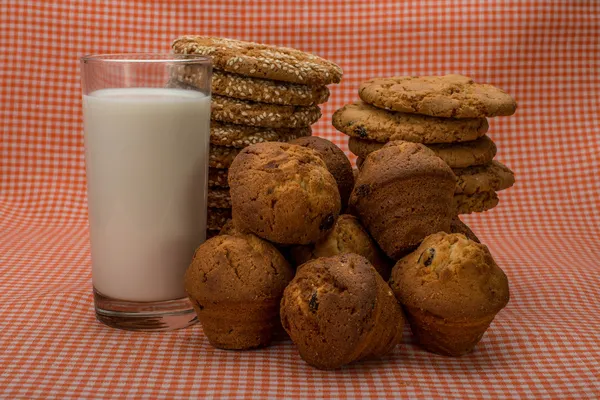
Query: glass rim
x=145 y=58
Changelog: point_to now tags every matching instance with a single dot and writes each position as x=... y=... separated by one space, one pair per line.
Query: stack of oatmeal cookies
x=446 y=113
x=260 y=93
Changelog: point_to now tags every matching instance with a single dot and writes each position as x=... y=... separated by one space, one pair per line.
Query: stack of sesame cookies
x=260 y=93
x=446 y=113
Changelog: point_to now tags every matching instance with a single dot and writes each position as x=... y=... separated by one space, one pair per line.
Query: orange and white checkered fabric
x=545 y=233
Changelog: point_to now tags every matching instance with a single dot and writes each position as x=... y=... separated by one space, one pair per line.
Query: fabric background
x=544 y=233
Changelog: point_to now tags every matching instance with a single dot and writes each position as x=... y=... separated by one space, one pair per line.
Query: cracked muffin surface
x=235 y=284
x=283 y=193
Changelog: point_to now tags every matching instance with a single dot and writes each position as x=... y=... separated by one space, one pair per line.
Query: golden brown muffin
x=283 y=193
x=338 y=310
x=347 y=236
x=235 y=284
x=336 y=161
x=451 y=290
x=403 y=193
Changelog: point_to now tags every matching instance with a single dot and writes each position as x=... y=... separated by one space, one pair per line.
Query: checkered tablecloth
x=545 y=233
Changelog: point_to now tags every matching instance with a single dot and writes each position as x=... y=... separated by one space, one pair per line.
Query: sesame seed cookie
x=219 y=198
x=448 y=96
x=261 y=61
x=216 y=218
x=217 y=177
x=221 y=156
x=456 y=155
x=256 y=89
x=243 y=112
x=364 y=121
x=240 y=136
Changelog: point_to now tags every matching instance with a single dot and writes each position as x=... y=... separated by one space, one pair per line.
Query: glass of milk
x=146 y=154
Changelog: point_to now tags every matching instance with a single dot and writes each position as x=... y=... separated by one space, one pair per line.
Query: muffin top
x=400 y=160
x=283 y=193
x=336 y=161
x=451 y=277
x=347 y=236
x=237 y=268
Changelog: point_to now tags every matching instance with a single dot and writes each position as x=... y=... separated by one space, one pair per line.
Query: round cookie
x=403 y=193
x=267 y=91
x=253 y=89
x=235 y=284
x=359 y=163
x=493 y=176
x=219 y=198
x=243 y=112
x=240 y=136
x=338 y=310
x=476 y=202
x=448 y=96
x=451 y=289
x=217 y=177
x=364 y=121
x=283 y=193
x=221 y=156
x=456 y=155
x=347 y=236
x=336 y=161
x=457 y=226
x=216 y=218
x=261 y=61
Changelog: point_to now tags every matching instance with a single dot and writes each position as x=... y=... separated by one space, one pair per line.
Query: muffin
x=338 y=310
x=283 y=193
x=347 y=236
x=451 y=290
x=403 y=193
x=235 y=284
x=336 y=161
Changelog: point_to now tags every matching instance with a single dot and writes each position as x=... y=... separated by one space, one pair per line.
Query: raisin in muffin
x=403 y=193
x=338 y=310
x=283 y=193
x=347 y=236
x=451 y=290
x=235 y=284
x=336 y=161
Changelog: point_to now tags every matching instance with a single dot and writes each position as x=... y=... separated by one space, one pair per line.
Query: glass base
x=144 y=316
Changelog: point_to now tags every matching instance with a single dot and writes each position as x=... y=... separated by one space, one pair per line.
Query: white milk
x=147 y=165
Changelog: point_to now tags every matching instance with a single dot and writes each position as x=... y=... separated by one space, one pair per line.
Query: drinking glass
x=146 y=153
